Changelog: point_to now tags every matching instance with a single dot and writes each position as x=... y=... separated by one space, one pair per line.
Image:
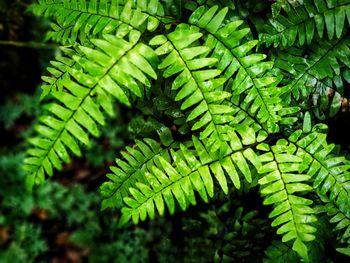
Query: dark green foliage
x=12 y=110
x=220 y=108
x=28 y=223
x=227 y=233
x=305 y=20
x=26 y=243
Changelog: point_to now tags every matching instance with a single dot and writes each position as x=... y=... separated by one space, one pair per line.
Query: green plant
x=229 y=112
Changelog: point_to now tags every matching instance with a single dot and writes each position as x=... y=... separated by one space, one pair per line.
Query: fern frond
x=58 y=72
x=176 y=173
x=280 y=5
x=245 y=122
x=114 y=68
x=279 y=252
x=326 y=60
x=302 y=22
x=193 y=4
x=223 y=117
x=308 y=158
x=339 y=219
x=129 y=171
x=330 y=174
x=195 y=85
x=246 y=71
x=282 y=178
x=85 y=19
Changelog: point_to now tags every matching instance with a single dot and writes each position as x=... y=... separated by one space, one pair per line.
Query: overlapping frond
x=330 y=174
x=279 y=252
x=58 y=72
x=193 y=4
x=302 y=22
x=176 y=174
x=303 y=159
x=129 y=171
x=113 y=68
x=196 y=84
x=246 y=71
x=84 y=19
x=282 y=183
x=245 y=123
x=339 y=219
x=326 y=60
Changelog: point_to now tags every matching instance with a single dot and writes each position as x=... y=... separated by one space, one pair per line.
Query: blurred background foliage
x=61 y=221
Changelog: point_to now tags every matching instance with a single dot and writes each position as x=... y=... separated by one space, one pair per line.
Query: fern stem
x=31 y=44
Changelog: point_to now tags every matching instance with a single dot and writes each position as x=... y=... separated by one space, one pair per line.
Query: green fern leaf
x=181 y=172
x=114 y=68
x=326 y=60
x=196 y=86
x=302 y=22
x=130 y=171
x=247 y=72
x=83 y=19
x=283 y=177
x=330 y=174
x=279 y=252
x=339 y=219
